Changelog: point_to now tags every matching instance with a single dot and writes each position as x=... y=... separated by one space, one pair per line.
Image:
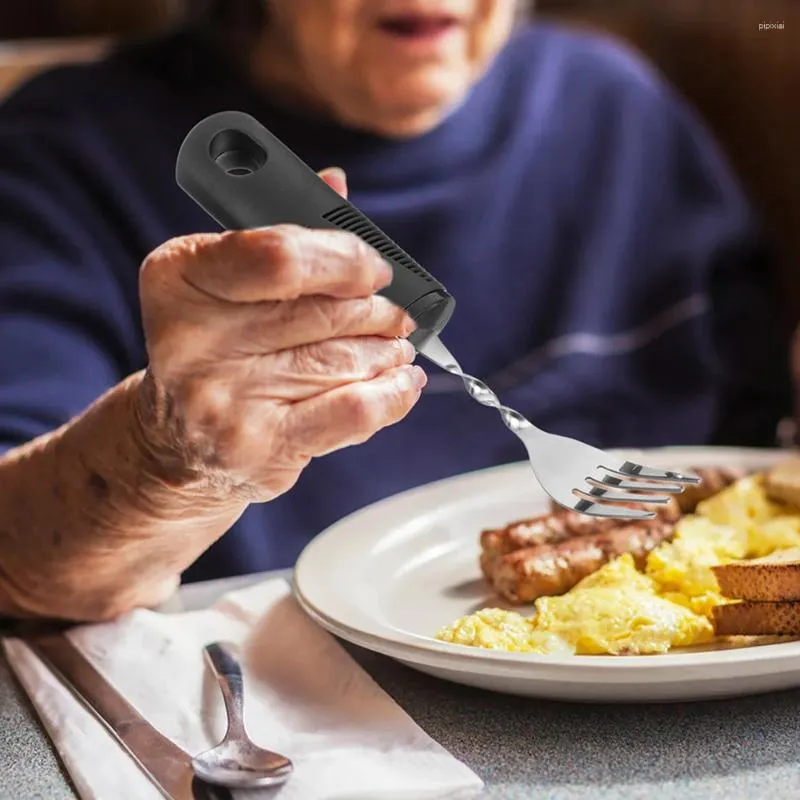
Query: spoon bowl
x=236 y=762
x=241 y=765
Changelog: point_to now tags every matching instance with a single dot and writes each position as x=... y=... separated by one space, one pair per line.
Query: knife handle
x=244 y=177
x=167 y=766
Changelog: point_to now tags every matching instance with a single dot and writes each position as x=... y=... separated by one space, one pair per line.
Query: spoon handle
x=228 y=673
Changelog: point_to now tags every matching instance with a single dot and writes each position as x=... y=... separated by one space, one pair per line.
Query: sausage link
x=544 y=529
x=553 y=569
x=551 y=529
x=549 y=554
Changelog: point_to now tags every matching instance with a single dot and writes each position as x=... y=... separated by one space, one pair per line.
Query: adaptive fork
x=245 y=177
x=576 y=475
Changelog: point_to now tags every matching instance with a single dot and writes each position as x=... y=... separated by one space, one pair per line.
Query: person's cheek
x=320 y=51
x=481 y=31
x=493 y=22
x=339 y=39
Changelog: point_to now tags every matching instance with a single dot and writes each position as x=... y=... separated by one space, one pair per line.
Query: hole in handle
x=236 y=153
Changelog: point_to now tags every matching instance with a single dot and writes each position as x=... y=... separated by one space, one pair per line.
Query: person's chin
x=406 y=105
x=410 y=122
x=431 y=95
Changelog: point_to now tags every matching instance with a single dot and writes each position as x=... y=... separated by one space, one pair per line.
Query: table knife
x=167 y=766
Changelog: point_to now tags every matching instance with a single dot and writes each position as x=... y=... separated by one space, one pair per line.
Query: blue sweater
x=609 y=276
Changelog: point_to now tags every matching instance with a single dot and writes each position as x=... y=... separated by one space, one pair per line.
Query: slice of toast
x=767 y=595
x=748 y=618
x=774 y=578
x=782 y=482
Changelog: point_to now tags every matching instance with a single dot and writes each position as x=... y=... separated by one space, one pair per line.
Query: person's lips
x=418 y=27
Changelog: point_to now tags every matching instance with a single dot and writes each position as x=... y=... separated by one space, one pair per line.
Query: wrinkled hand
x=267 y=348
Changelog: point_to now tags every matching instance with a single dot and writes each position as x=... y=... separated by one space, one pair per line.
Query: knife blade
x=167 y=766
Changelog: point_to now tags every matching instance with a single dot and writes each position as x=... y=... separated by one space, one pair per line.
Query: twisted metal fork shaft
x=479 y=391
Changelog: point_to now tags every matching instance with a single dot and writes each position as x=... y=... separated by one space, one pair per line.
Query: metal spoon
x=236 y=762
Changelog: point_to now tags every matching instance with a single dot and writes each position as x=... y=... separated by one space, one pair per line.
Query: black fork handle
x=244 y=177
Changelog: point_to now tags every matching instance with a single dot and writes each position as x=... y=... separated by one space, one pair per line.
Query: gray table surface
x=742 y=749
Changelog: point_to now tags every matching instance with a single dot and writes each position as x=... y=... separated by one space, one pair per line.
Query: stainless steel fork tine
x=624 y=513
x=561 y=464
x=629 y=469
x=612 y=496
x=611 y=481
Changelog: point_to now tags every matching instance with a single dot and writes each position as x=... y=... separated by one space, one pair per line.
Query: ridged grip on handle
x=244 y=177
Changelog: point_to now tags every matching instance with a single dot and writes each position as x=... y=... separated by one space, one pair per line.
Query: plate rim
x=406 y=646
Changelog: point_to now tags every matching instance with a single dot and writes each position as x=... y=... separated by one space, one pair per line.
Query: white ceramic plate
x=388 y=576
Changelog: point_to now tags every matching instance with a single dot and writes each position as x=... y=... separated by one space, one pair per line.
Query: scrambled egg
x=619 y=610
x=780 y=533
x=498 y=629
x=681 y=569
x=742 y=504
x=614 y=610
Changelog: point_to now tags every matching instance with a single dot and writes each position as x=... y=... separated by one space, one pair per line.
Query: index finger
x=283 y=262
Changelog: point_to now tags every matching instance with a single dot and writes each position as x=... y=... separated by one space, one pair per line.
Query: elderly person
x=179 y=401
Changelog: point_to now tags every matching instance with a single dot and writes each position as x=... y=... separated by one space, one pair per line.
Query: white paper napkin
x=305 y=697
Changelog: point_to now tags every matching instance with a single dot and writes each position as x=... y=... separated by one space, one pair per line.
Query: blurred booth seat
x=38 y=34
x=743 y=78
x=22 y=59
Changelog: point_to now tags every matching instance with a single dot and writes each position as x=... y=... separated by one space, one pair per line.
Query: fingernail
x=336 y=179
x=409 y=326
x=407 y=349
x=384 y=275
x=337 y=173
x=419 y=377
x=404 y=379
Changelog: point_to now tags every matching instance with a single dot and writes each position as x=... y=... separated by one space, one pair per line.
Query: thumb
x=336 y=178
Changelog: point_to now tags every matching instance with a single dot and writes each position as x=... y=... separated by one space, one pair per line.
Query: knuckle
x=403 y=393
x=370 y=314
x=276 y=245
x=361 y=412
x=374 y=309
x=247 y=429
x=382 y=354
x=384 y=310
x=313 y=359
x=207 y=404
x=319 y=315
x=305 y=360
x=342 y=358
x=158 y=261
x=364 y=257
x=349 y=358
x=356 y=259
x=363 y=315
x=169 y=259
x=343 y=315
x=400 y=351
x=281 y=249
